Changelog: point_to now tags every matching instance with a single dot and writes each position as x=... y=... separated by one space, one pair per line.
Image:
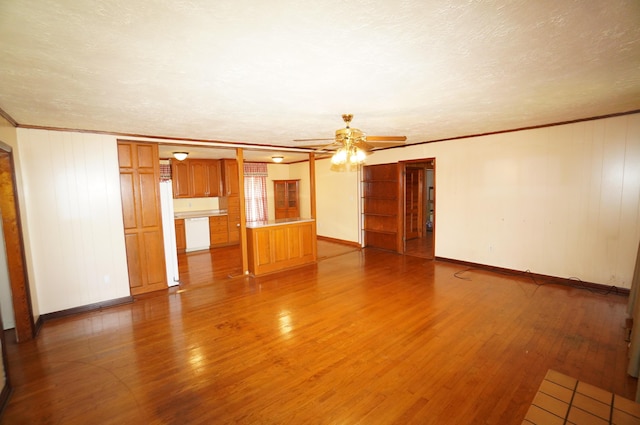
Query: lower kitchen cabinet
x=218 y=230
x=233 y=211
x=181 y=237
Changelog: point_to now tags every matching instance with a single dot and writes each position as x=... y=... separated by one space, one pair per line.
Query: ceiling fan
x=351 y=145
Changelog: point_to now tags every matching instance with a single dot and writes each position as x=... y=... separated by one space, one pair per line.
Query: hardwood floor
x=362 y=337
x=420 y=247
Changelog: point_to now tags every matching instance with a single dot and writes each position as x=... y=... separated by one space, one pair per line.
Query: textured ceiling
x=268 y=72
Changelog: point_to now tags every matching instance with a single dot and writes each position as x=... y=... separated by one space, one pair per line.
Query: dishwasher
x=197 y=233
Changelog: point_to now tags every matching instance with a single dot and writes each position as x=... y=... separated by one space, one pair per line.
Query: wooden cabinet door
x=233 y=214
x=280 y=198
x=230 y=177
x=293 y=210
x=181 y=179
x=286 y=199
x=218 y=230
x=199 y=178
x=140 y=193
x=181 y=237
x=214 y=180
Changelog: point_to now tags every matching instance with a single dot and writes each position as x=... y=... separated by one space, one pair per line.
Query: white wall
x=275 y=172
x=337 y=201
x=74 y=212
x=300 y=171
x=561 y=201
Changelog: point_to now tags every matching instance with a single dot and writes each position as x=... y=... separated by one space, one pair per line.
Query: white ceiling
x=268 y=72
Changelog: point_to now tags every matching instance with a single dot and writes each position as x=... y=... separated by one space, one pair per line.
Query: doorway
x=419 y=208
x=14 y=249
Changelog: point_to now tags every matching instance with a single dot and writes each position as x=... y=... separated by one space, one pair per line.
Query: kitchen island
x=276 y=245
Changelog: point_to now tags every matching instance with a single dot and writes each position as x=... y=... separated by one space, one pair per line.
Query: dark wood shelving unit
x=382 y=206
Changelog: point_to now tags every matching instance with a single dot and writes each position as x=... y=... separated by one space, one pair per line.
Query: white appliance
x=197 y=233
x=169 y=232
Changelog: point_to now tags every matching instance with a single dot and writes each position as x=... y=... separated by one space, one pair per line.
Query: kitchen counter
x=278 y=222
x=201 y=213
x=280 y=244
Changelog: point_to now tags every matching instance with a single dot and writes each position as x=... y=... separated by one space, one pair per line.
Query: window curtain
x=633 y=310
x=165 y=170
x=255 y=191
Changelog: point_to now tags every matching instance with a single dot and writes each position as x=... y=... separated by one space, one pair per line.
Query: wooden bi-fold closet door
x=140 y=191
x=414 y=203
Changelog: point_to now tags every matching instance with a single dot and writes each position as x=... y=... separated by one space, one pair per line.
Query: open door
x=419 y=208
x=414 y=201
x=25 y=329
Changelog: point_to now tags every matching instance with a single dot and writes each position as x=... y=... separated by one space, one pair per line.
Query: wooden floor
x=420 y=247
x=365 y=337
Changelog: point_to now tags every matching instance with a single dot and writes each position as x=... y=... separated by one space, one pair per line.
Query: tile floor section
x=565 y=400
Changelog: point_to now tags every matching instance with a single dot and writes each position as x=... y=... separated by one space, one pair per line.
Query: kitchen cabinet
x=286 y=198
x=273 y=246
x=180 y=178
x=233 y=214
x=218 y=230
x=196 y=178
x=181 y=238
x=199 y=178
x=214 y=176
x=230 y=178
x=140 y=195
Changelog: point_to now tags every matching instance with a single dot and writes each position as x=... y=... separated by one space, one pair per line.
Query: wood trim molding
x=14 y=245
x=512 y=130
x=340 y=241
x=247 y=145
x=86 y=308
x=580 y=284
x=8 y=117
x=5 y=394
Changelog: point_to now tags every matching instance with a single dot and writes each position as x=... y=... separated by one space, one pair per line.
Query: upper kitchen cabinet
x=180 y=177
x=230 y=178
x=196 y=178
x=214 y=176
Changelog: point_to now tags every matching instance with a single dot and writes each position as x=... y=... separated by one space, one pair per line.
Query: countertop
x=201 y=213
x=279 y=222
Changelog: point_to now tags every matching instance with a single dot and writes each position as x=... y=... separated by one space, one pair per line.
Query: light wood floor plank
x=362 y=337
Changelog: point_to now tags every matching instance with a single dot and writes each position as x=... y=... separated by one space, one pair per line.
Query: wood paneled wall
x=559 y=201
x=74 y=218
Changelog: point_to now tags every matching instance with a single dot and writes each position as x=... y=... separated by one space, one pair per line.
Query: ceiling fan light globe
x=340 y=157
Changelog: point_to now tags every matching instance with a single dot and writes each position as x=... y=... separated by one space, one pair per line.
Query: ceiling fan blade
x=364 y=146
x=386 y=138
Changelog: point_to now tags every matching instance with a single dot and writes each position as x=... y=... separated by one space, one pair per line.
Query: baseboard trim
x=85 y=308
x=38 y=326
x=541 y=277
x=340 y=241
x=5 y=394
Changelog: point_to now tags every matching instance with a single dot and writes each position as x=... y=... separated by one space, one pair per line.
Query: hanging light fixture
x=180 y=156
x=349 y=156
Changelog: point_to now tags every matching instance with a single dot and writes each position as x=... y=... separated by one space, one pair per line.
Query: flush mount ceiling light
x=277 y=158
x=180 y=156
